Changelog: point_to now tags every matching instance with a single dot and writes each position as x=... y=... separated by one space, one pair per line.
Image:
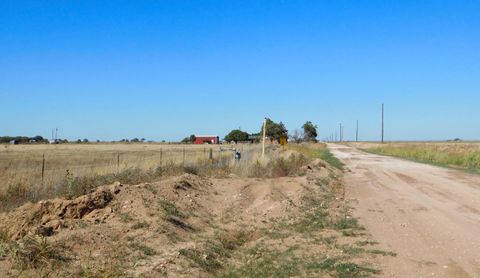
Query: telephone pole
x=340 y=133
x=383 y=122
x=356 y=134
x=264 y=134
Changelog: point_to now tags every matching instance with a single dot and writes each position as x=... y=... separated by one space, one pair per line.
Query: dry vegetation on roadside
x=458 y=155
x=72 y=170
x=282 y=217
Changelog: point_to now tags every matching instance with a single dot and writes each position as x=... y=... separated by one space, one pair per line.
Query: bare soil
x=429 y=216
x=192 y=226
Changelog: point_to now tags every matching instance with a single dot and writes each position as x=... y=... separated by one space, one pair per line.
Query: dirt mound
x=190 y=181
x=185 y=226
x=46 y=216
x=136 y=221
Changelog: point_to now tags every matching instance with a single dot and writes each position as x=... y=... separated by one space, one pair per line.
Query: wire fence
x=51 y=166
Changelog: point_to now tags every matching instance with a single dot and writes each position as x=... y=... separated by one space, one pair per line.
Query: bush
x=35 y=252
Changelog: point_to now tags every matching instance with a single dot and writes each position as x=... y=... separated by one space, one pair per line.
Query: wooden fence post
x=118 y=162
x=183 y=156
x=161 y=157
x=43 y=169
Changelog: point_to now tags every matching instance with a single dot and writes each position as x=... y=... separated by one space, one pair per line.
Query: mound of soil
x=46 y=217
x=179 y=227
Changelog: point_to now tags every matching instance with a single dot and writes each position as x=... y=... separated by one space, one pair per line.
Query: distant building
x=206 y=139
x=13 y=142
x=254 y=138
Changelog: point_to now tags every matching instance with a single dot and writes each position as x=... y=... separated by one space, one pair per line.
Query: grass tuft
x=147 y=251
x=140 y=225
x=35 y=252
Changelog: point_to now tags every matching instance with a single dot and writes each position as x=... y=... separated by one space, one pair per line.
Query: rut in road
x=430 y=216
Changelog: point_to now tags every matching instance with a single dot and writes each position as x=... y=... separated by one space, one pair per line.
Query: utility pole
x=341 y=133
x=264 y=134
x=356 y=134
x=383 y=121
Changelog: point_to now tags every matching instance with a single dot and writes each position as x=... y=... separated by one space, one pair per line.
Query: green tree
x=190 y=139
x=275 y=131
x=310 y=132
x=236 y=135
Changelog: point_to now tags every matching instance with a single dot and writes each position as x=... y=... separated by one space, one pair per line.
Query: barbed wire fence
x=50 y=167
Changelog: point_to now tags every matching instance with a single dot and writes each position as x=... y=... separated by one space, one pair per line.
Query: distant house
x=206 y=139
x=254 y=138
x=13 y=142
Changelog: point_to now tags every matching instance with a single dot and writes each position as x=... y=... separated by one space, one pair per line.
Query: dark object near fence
x=238 y=155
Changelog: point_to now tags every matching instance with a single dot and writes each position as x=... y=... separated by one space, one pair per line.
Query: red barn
x=206 y=139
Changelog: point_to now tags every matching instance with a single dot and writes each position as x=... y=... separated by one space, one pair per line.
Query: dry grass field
x=465 y=155
x=34 y=172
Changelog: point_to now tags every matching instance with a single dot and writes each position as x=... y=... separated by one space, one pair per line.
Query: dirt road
x=429 y=216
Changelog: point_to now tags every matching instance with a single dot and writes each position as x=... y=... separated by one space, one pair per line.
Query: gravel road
x=429 y=216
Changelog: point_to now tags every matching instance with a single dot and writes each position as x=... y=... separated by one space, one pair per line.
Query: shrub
x=36 y=252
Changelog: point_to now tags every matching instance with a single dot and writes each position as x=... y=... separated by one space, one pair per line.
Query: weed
x=290 y=166
x=366 y=242
x=348 y=270
x=329 y=240
x=351 y=250
x=147 y=251
x=170 y=209
x=4 y=249
x=271 y=263
x=190 y=169
x=313 y=221
x=232 y=240
x=4 y=237
x=208 y=262
x=126 y=217
x=326 y=265
x=382 y=253
x=328 y=157
x=179 y=223
x=82 y=224
x=140 y=225
x=349 y=233
x=347 y=223
x=36 y=252
x=341 y=269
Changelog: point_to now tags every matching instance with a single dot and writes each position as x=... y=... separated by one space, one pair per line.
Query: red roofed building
x=206 y=139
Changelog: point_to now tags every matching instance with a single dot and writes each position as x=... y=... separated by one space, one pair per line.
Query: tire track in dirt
x=429 y=215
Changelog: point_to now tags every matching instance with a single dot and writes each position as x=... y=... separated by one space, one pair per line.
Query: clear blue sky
x=166 y=69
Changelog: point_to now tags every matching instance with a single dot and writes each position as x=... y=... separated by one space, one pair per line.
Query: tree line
x=22 y=139
x=275 y=132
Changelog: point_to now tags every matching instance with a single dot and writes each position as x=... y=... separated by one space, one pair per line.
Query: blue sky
x=166 y=69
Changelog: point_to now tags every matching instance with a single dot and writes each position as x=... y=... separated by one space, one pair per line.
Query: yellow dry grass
x=455 y=154
x=22 y=164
